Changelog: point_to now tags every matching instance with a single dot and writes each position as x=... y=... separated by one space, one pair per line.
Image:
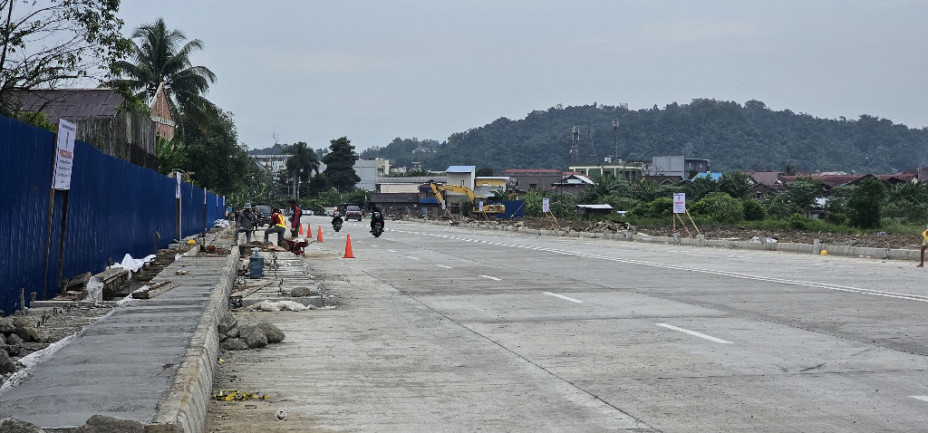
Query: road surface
x=450 y=329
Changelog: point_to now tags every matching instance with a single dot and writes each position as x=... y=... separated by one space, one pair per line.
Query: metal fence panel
x=114 y=208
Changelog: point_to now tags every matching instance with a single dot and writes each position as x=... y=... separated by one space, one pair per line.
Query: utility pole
x=575 y=148
x=615 y=129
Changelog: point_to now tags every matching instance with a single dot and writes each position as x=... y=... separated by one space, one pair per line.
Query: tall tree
x=865 y=205
x=339 y=165
x=51 y=43
x=302 y=163
x=161 y=58
x=217 y=160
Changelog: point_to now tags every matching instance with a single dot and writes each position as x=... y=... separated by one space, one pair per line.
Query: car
x=264 y=214
x=353 y=212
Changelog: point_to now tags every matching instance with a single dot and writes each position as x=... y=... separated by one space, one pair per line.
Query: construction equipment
x=488 y=209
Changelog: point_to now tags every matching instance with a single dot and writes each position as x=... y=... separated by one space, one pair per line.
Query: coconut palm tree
x=162 y=59
x=302 y=162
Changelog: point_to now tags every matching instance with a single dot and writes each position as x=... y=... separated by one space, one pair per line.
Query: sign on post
x=480 y=206
x=679 y=202
x=177 y=187
x=545 y=205
x=64 y=155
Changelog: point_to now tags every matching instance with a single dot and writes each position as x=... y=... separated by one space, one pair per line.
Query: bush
x=659 y=207
x=780 y=207
x=753 y=211
x=836 y=218
x=797 y=221
x=721 y=207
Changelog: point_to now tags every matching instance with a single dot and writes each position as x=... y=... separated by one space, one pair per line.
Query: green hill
x=731 y=136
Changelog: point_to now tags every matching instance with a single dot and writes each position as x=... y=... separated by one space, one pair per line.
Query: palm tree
x=161 y=61
x=302 y=162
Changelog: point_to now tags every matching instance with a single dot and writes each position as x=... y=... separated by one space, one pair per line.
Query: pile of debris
x=96 y=423
x=235 y=337
x=18 y=337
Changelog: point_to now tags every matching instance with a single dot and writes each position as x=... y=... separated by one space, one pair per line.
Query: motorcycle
x=337 y=223
x=378 y=229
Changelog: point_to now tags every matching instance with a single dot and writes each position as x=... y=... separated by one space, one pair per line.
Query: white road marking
x=920 y=397
x=566 y=298
x=414 y=258
x=491 y=278
x=391 y=251
x=444 y=266
x=694 y=333
x=375 y=245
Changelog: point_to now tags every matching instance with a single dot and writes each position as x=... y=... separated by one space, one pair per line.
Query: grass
x=811 y=225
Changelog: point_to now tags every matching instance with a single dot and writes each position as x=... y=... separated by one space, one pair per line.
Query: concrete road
x=447 y=329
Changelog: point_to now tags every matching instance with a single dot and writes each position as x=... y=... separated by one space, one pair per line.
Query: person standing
x=278 y=225
x=296 y=214
x=246 y=223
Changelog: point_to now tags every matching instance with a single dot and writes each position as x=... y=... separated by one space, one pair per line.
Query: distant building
x=526 y=179
x=486 y=186
x=573 y=184
x=462 y=175
x=629 y=171
x=369 y=170
x=675 y=166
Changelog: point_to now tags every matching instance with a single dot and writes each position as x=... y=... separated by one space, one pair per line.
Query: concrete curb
x=815 y=249
x=184 y=407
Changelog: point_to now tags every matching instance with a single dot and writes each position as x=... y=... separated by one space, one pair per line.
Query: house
x=369 y=170
x=161 y=114
x=573 y=184
x=103 y=122
x=486 y=186
x=462 y=175
x=525 y=179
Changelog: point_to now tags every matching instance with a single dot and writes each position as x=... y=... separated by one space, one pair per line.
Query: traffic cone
x=301 y=229
x=319 y=235
x=348 y=253
x=309 y=229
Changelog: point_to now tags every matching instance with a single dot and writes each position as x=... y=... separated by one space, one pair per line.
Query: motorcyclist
x=376 y=216
x=336 y=217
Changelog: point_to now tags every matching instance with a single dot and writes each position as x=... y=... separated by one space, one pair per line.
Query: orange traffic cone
x=348 y=253
x=319 y=236
x=301 y=229
x=309 y=229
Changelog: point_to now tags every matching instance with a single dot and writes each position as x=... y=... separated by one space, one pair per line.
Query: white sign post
x=480 y=206
x=679 y=202
x=545 y=205
x=64 y=155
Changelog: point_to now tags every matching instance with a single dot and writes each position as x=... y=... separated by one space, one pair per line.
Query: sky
x=373 y=71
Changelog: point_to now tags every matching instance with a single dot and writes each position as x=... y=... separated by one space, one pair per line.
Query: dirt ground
x=875 y=239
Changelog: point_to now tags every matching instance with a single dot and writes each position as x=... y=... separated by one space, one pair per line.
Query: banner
x=545 y=205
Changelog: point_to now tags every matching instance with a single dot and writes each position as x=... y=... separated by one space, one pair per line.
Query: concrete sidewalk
x=149 y=361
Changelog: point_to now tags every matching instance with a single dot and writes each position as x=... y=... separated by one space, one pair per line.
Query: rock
x=227 y=323
x=273 y=333
x=299 y=292
x=28 y=333
x=7 y=366
x=10 y=425
x=233 y=344
x=253 y=336
x=107 y=424
x=14 y=340
x=6 y=325
x=20 y=322
x=2 y=340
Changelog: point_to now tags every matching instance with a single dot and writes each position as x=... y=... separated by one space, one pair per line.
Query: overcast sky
x=374 y=70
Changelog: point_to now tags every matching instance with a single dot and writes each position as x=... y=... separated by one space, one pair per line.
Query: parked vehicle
x=353 y=212
x=263 y=212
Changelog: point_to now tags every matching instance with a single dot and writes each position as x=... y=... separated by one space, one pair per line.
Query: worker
x=246 y=223
x=921 y=263
x=278 y=225
x=296 y=214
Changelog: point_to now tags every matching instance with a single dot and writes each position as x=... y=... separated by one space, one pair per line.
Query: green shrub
x=753 y=210
x=836 y=218
x=797 y=221
x=659 y=207
x=719 y=206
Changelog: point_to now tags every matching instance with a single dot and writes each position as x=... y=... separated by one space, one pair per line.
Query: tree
x=865 y=204
x=161 y=60
x=339 y=165
x=803 y=192
x=302 y=163
x=53 y=43
x=484 y=171
x=217 y=160
x=735 y=184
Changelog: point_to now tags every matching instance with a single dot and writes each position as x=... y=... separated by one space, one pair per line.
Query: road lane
x=815 y=344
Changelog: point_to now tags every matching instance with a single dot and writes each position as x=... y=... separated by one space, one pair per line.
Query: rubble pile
x=18 y=337
x=95 y=424
x=232 y=336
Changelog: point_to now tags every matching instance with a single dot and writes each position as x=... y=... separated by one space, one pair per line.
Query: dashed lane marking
x=566 y=298
x=491 y=278
x=694 y=333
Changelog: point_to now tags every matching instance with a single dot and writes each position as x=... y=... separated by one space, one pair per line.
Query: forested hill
x=731 y=136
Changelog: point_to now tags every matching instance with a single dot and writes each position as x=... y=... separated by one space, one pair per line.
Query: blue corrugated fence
x=114 y=208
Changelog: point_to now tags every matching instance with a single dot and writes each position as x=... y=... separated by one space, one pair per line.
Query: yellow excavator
x=488 y=209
